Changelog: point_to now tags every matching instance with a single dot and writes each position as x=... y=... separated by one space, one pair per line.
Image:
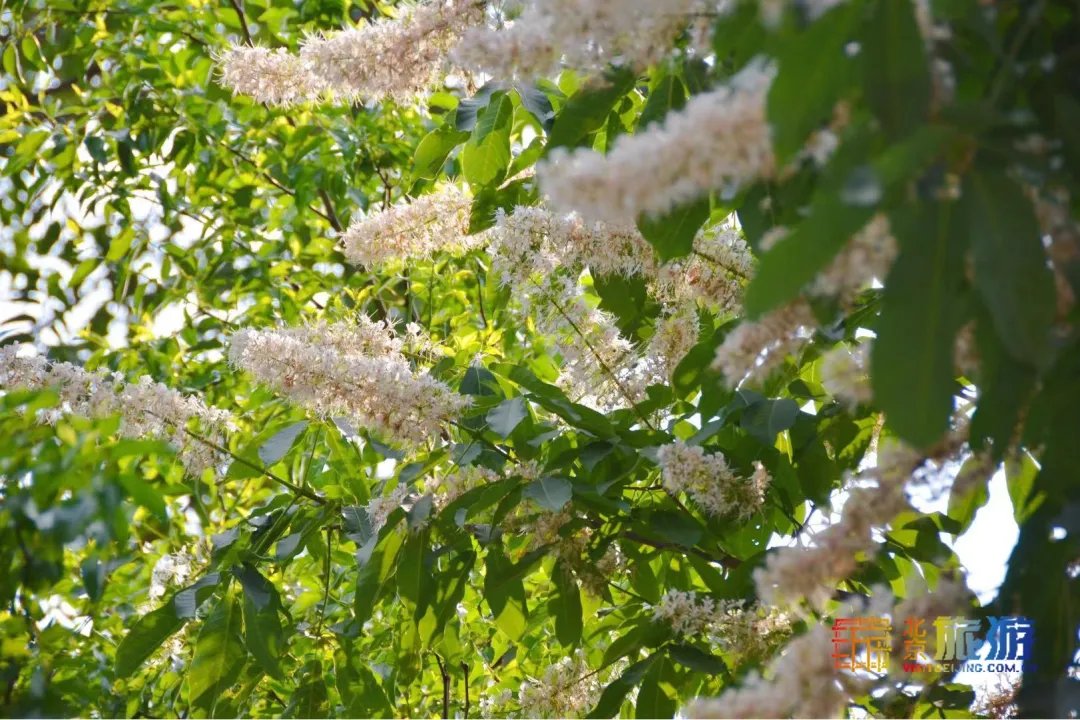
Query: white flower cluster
x=147 y=409
x=742 y=632
x=445 y=490
x=793 y=573
x=719 y=140
x=432 y=223
x=493 y=705
x=323 y=371
x=396 y=58
x=379 y=508
x=754 y=349
x=532 y=243
x=804 y=682
x=566 y=690
x=586 y=35
x=844 y=373
x=170 y=569
x=867 y=257
x=710 y=482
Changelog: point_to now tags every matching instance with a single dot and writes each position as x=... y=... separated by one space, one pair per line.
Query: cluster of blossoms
x=329 y=373
x=710 y=482
x=445 y=490
x=742 y=632
x=720 y=139
x=173 y=568
x=804 y=680
x=845 y=374
x=395 y=58
x=147 y=409
x=584 y=34
x=567 y=689
x=379 y=508
x=432 y=223
x=794 y=573
x=755 y=349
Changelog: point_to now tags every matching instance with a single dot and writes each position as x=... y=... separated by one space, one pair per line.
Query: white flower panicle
x=719 y=140
x=586 y=35
x=147 y=409
x=430 y=224
x=844 y=373
x=379 y=508
x=868 y=256
x=794 y=573
x=710 y=482
x=171 y=569
x=754 y=349
x=396 y=58
x=445 y=490
x=380 y=391
x=566 y=690
x=803 y=682
x=743 y=632
x=275 y=77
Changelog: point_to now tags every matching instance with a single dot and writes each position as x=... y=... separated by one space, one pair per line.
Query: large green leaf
x=672 y=234
x=617 y=690
x=912 y=358
x=156 y=627
x=1011 y=268
x=375 y=573
x=653 y=700
x=505 y=595
x=550 y=493
x=506 y=416
x=310 y=700
x=766 y=419
x=815 y=70
x=586 y=111
x=487 y=153
x=219 y=655
x=263 y=633
x=433 y=150
x=566 y=606
x=896 y=78
x=965 y=502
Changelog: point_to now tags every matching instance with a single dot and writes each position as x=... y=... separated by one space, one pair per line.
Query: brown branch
x=331 y=215
x=445 y=687
x=465 y=669
x=243 y=20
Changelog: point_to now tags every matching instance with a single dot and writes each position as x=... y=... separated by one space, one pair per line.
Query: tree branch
x=243 y=20
x=445 y=686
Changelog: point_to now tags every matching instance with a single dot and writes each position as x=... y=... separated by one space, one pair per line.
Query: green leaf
x=896 y=78
x=375 y=574
x=587 y=111
x=617 y=690
x=92 y=572
x=507 y=415
x=628 y=299
x=667 y=95
x=263 y=633
x=550 y=493
x=1005 y=386
x=653 y=700
x=361 y=693
x=672 y=234
x=219 y=655
x=964 y=505
x=487 y=153
x=1020 y=479
x=432 y=152
x=281 y=443
x=505 y=595
x=144 y=494
x=310 y=700
x=912 y=358
x=26 y=152
x=676 y=527
x=697 y=659
x=154 y=628
x=1011 y=269
x=768 y=418
x=814 y=72
x=566 y=606
x=537 y=103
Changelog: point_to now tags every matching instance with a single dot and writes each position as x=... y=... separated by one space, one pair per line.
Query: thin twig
x=243 y=21
x=465 y=669
x=480 y=295
x=326 y=583
x=445 y=686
